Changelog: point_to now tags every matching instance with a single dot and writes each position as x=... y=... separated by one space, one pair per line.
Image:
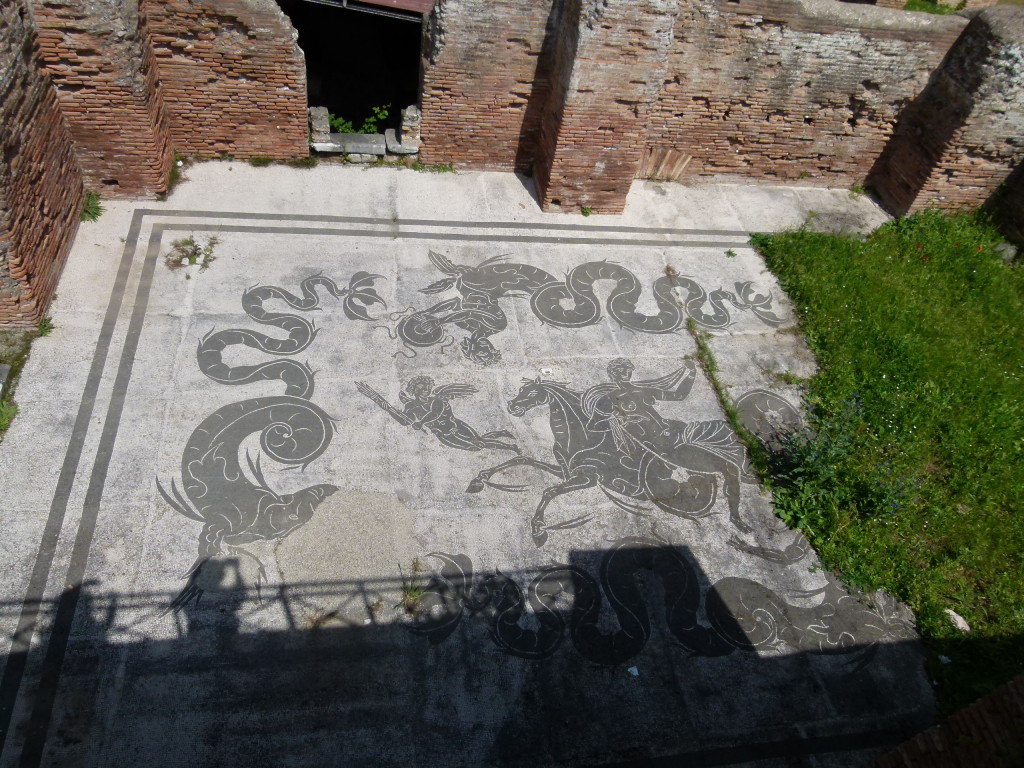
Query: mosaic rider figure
x=627 y=410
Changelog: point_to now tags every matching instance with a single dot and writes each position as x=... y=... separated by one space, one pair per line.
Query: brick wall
x=611 y=68
x=788 y=89
x=233 y=76
x=98 y=56
x=40 y=179
x=963 y=136
x=485 y=81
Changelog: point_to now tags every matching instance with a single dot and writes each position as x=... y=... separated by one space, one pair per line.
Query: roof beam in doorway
x=410 y=10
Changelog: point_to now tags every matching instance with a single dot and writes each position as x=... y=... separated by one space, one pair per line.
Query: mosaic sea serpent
x=568 y=303
x=293 y=431
x=732 y=614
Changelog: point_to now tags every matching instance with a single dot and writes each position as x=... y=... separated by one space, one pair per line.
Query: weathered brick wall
x=98 y=56
x=614 y=61
x=963 y=136
x=791 y=89
x=40 y=179
x=485 y=81
x=233 y=75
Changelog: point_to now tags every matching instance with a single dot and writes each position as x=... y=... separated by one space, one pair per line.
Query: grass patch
x=310 y=161
x=14 y=348
x=910 y=475
x=435 y=168
x=7 y=413
x=930 y=6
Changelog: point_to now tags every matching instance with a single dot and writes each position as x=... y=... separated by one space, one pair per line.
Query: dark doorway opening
x=358 y=60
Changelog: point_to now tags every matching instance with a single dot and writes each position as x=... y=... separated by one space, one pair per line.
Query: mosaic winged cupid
x=425 y=407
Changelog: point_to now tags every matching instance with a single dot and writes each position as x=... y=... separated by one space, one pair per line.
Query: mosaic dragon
x=215 y=491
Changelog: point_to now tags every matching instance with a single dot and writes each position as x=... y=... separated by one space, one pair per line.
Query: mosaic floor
x=424 y=478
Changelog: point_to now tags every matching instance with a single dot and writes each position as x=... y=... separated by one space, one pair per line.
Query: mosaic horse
x=678 y=478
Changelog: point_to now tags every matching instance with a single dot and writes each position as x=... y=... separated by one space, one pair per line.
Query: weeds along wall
x=233 y=76
x=41 y=188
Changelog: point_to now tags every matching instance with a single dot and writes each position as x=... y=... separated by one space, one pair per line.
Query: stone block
x=398 y=147
x=353 y=144
x=319 y=124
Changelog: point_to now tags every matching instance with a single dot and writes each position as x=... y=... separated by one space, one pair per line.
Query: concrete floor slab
x=379 y=487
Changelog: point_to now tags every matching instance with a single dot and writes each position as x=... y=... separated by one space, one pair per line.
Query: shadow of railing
x=621 y=655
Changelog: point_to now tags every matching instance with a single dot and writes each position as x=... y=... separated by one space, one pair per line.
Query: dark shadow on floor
x=621 y=656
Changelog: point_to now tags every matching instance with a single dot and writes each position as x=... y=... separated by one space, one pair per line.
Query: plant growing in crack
x=92 y=208
x=413 y=588
x=189 y=252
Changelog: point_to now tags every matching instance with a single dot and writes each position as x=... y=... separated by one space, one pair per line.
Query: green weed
x=92 y=208
x=14 y=349
x=930 y=6
x=260 y=161
x=435 y=168
x=370 y=124
x=413 y=588
x=188 y=252
x=310 y=161
x=908 y=476
x=45 y=326
x=7 y=413
x=177 y=173
x=707 y=360
x=586 y=210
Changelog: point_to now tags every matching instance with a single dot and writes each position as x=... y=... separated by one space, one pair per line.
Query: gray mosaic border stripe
x=14 y=671
x=443 y=223
x=413 y=235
